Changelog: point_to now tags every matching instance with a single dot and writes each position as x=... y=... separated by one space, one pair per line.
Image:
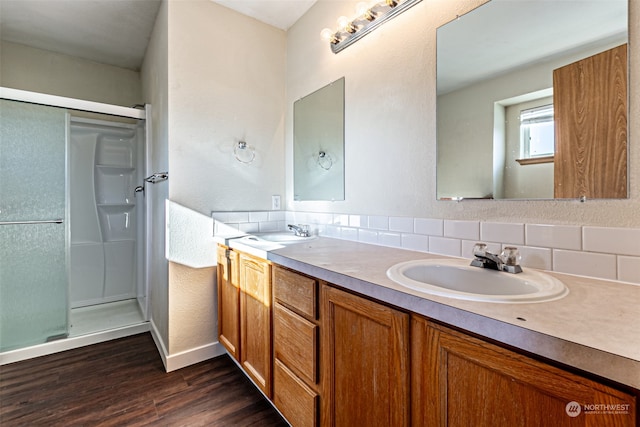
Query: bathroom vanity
x=330 y=340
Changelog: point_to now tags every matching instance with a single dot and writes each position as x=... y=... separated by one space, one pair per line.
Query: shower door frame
x=93 y=107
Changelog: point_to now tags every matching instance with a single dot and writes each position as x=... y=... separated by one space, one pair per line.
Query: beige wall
x=155 y=90
x=221 y=80
x=390 y=81
x=226 y=83
x=36 y=70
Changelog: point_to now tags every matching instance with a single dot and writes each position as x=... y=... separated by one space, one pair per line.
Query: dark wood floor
x=123 y=383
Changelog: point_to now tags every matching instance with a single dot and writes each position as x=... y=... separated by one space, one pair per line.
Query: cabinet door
x=458 y=380
x=255 y=320
x=590 y=103
x=365 y=362
x=228 y=301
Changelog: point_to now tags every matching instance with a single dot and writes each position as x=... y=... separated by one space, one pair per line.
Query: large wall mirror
x=532 y=101
x=318 y=144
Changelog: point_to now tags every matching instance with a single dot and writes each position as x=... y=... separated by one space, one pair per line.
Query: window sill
x=535 y=160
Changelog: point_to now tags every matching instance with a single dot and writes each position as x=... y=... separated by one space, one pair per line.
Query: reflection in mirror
x=532 y=101
x=318 y=144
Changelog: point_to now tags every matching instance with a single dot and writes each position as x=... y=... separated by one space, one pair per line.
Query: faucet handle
x=479 y=249
x=510 y=255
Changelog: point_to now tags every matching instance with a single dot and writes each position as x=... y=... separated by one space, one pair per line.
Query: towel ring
x=324 y=160
x=244 y=153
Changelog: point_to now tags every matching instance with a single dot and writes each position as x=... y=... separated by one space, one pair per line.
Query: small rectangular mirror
x=532 y=101
x=318 y=144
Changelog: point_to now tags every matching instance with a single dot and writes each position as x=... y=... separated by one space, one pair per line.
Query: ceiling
x=113 y=32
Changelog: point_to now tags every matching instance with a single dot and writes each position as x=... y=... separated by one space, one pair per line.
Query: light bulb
x=343 y=23
x=361 y=8
x=326 y=34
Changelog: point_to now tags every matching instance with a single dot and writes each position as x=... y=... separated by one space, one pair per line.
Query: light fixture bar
x=368 y=22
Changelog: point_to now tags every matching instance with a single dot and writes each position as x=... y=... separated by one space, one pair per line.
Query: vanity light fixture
x=368 y=17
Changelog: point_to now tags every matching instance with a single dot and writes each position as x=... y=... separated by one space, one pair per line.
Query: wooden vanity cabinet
x=340 y=359
x=255 y=320
x=296 y=386
x=459 y=380
x=228 y=301
x=365 y=361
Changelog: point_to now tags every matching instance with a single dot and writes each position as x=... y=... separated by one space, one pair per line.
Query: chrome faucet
x=507 y=261
x=301 y=230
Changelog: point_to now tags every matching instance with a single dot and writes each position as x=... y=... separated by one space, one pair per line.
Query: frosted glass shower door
x=33 y=261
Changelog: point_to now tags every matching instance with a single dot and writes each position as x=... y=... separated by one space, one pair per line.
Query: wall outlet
x=275 y=202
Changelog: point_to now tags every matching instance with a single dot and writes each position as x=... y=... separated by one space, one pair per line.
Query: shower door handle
x=46 y=221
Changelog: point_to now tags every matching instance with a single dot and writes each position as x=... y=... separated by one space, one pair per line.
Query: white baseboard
x=71 y=343
x=185 y=358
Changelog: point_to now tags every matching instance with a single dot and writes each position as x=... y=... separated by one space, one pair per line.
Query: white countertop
x=596 y=328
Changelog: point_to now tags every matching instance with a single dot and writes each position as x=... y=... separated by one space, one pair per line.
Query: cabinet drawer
x=295 y=340
x=297 y=402
x=296 y=291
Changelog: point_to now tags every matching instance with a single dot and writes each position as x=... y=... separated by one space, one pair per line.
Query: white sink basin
x=284 y=238
x=271 y=241
x=457 y=279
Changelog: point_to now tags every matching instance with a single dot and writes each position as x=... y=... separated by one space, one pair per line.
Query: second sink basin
x=284 y=238
x=457 y=279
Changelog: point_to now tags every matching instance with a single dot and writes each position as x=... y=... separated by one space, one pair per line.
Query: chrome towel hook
x=152 y=179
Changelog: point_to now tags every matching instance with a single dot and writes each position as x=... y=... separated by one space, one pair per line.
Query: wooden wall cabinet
x=228 y=301
x=459 y=380
x=590 y=109
x=296 y=380
x=365 y=362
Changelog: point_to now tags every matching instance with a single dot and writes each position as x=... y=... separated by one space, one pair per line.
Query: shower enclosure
x=72 y=226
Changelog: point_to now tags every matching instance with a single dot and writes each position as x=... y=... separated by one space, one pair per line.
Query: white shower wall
x=105 y=165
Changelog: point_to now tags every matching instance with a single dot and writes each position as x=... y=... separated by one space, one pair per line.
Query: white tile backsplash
x=629 y=269
x=532 y=257
x=271 y=226
x=554 y=236
x=432 y=227
x=249 y=227
x=502 y=232
x=601 y=252
x=349 y=233
x=445 y=246
x=469 y=230
x=624 y=241
x=379 y=222
x=341 y=219
x=401 y=224
x=367 y=236
x=277 y=215
x=258 y=216
x=585 y=264
x=387 y=238
x=415 y=242
x=359 y=221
